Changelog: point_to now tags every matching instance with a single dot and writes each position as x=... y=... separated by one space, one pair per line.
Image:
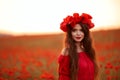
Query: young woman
x=77 y=60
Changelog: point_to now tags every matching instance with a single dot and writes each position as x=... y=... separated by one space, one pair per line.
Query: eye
x=73 y=30
x=81 y=30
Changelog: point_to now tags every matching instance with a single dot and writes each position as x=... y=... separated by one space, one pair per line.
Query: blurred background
x=31 y=40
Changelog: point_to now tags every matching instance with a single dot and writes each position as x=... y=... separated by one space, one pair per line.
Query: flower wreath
x=72 y=20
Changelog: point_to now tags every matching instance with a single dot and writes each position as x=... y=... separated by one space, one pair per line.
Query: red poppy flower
x=76 y=18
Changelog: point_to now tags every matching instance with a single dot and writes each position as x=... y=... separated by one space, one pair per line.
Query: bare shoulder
x=64 y=52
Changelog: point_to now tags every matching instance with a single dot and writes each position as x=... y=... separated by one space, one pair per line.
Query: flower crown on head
x=76 y=18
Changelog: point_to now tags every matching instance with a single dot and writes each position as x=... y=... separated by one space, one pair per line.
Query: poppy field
x=34 y=57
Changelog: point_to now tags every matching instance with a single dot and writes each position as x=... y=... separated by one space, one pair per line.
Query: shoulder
x=64 y=52
x=63 y=57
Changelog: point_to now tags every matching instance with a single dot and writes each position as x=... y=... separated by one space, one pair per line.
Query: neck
x=79 y=47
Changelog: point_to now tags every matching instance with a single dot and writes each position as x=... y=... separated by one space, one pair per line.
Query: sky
x=44 y=16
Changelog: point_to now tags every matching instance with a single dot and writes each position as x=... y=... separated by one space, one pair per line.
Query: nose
x=78 y=32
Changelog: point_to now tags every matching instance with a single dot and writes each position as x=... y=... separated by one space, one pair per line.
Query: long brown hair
x=87 y=45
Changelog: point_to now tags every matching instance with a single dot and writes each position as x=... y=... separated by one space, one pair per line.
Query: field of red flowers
x=35 y=57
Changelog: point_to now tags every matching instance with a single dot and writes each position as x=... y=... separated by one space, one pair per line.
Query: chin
x=78 y=41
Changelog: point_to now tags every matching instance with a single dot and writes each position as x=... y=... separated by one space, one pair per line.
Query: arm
x=64 y=69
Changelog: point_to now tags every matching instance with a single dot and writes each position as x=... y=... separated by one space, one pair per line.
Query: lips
x=78 y=37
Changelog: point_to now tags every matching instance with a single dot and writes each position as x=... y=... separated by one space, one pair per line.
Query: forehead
x=77 y=26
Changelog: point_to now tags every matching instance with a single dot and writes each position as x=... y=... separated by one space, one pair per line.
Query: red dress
x=86 y=67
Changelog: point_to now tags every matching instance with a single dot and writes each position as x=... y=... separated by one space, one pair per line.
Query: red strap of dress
x=63 y=58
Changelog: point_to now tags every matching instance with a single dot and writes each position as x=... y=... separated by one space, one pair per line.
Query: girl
x=77 y=60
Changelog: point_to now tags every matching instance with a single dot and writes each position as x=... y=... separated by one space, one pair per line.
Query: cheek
x=73 y=34
x=82 y=34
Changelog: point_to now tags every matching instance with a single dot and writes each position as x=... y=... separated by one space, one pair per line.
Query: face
x=77 y=33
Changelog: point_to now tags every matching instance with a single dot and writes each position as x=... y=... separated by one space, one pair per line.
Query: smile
x=78 y=37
